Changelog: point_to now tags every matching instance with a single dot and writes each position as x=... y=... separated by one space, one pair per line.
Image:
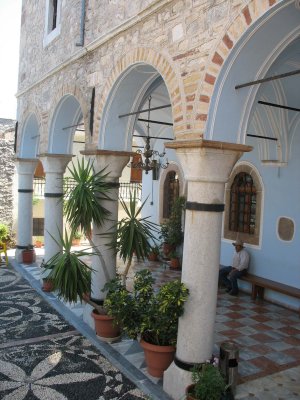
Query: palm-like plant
x=83 y=201
x=133 y=234
x=70 y=275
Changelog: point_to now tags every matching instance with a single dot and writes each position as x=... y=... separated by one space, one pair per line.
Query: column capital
x=114 y=161
x=55 y=163
x=26 y=166
x=207 y=160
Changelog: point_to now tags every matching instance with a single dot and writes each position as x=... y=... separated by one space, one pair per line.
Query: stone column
x=114 y=162
x=54 y=167
x=207 y=166
x=25 y=168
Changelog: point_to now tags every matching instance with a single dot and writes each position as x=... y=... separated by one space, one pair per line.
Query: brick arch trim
x=248 y=14
x=162 y=64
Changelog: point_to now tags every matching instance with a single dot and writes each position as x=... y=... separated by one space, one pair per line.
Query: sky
x=10 y=21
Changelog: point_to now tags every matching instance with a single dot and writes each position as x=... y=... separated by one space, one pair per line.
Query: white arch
x=66 y=116
x=30 y=137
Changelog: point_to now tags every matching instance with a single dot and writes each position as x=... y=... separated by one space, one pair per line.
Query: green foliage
x=154 y=316
x=209 y=382
x=35 y=200
x=171 y=231
x=133 y=234
x=70 y=275
x=155 y=250
x=82 y=204
x=4 y=231
x=77 y=235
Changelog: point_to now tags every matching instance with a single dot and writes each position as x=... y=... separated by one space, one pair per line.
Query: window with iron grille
x=243 y=204
x=38 y=226
x=171 y=192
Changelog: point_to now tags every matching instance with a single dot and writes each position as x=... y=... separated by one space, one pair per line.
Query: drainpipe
x=82 y=23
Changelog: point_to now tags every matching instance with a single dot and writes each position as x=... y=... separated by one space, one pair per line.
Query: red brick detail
x=178 y=119
x=228 y=42
x=201 y=117
x=272 y=2
x=204 y=98
x=190 y=107
x=210 y=79
x=191 y=97
x=217 y=59
x=184 y=73
x=184 y=55
x=247 y=15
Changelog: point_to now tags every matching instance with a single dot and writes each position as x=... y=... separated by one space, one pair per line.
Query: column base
x=175 y=381
x=87 y=316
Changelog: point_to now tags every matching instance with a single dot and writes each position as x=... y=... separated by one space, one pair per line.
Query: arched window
x=243 y=202
x=171 y=192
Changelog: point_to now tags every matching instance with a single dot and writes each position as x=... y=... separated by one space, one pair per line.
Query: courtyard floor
x=268 y=337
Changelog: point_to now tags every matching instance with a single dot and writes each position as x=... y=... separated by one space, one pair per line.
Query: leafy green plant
x=70 y=275
x=133 y=234
x=142 y=312
x=77 y=235
x=171 y=231
x=4 y=232
x=209 y=383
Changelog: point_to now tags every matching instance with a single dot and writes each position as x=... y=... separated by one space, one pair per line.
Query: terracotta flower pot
x=75 y=242
x=47 y=285
x=174 y=263
x=105 y=327
x=152 y=257
x=167 y=249
x=158 y=358
x=28 y=256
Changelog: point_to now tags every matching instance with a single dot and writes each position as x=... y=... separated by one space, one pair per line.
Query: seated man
x=229 y=275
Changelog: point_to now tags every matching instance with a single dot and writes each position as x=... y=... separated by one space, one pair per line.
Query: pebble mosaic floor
x=43 y=357
x=267 y=335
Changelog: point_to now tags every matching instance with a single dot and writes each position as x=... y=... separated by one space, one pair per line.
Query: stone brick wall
x=186 y=40
x=7 y=176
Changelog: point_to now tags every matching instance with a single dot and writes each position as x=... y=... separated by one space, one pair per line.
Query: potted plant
x=70 y=275
x=154 y=253
x=133 y=234
x=208 y=383
x=82 y=206
x=76 y=238
x=28 y=254
x=171 y=231
x=174 y=260
x=152 y=317
x=38 y=243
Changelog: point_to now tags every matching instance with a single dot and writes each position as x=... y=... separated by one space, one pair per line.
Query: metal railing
x=124 y=190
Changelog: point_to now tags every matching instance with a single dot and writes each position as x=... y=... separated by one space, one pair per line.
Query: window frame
x=254 y=238
x=49 y=33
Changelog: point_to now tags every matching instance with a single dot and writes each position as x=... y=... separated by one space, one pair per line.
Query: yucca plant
x=70 y=275
x=133 y=234
x=82 y=201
